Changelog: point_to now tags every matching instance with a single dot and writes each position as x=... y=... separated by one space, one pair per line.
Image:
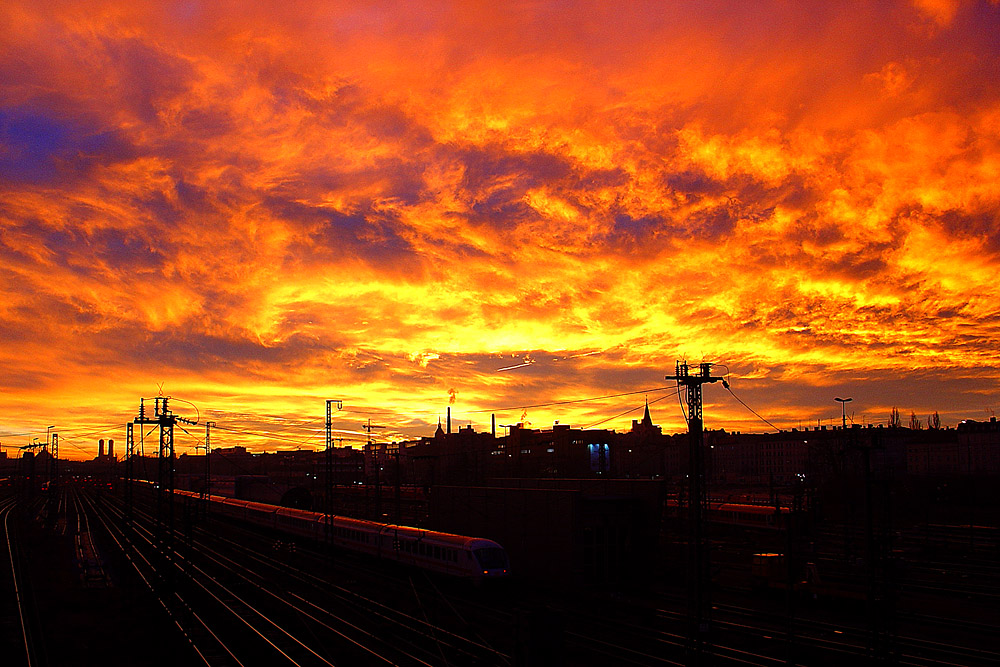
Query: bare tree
x=915 y=424
x=934 y=421
x=894 y=419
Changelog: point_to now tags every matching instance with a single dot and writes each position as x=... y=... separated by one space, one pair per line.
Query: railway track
x=300 y=618
x=20 y=629
x=305 y=606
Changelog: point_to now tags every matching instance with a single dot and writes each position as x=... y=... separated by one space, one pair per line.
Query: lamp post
x=843 y=410
x=48 y=431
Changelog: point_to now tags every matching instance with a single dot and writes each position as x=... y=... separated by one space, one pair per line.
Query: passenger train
x=737 y=514
x=472 y=558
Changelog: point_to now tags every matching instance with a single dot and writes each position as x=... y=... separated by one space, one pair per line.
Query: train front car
x=471 y=558
x=491 y=558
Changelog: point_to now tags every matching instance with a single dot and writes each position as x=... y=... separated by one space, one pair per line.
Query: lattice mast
x=698 y=556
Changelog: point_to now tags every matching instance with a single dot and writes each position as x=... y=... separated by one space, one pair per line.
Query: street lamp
x=47 y=430
x=843 y=410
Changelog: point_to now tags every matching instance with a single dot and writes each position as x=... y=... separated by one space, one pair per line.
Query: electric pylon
x=698 y=557
x=165 y=420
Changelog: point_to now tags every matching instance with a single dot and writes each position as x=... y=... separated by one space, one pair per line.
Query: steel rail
x=18 y=589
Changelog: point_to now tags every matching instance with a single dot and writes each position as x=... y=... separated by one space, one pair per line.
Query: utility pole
x=328 y=483
x=206 y=488
x=52 y=439
x=399 y=481
x=130 y=474
x=373 y=448
x=881 y=602
x=698 y=557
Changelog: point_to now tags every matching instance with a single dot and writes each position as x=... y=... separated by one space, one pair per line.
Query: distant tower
x=100 y=448
x=646 y=426
x=111 y=449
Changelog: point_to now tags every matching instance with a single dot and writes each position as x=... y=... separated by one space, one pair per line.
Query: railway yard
x=87 y=581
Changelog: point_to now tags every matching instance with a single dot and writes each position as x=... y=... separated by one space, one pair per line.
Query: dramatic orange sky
x=256 y=207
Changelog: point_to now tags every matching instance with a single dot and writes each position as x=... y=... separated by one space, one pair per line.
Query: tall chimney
x=111 y=449
x=449 y=419
x=493 y=419
x=100 y=448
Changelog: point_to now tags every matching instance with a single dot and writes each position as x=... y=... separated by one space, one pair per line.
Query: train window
x=437 y=552
x=491 y=558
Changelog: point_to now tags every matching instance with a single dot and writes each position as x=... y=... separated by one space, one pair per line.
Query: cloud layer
x=266 y=207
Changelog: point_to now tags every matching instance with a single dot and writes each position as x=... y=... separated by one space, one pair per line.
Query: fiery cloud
x=267 y=206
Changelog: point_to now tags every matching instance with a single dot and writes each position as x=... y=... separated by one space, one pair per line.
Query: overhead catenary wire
x=730 y=390
x=622 y=414
x=575 y=400
x=264 y=434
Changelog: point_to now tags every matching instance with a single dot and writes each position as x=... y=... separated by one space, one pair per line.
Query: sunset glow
x=406 y=206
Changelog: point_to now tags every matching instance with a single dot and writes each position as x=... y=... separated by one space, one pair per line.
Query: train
x=738 y=514
x=472 y=558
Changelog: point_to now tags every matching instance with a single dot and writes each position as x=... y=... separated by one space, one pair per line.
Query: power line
x=576 y=400
x=245 y=416
x=622 y=414
x=729 y=389
x=262 y=434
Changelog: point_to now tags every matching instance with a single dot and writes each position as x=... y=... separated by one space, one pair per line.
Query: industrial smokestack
x=111 y=449
x=493 y=419
x=100 y=448
x=449 y=419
